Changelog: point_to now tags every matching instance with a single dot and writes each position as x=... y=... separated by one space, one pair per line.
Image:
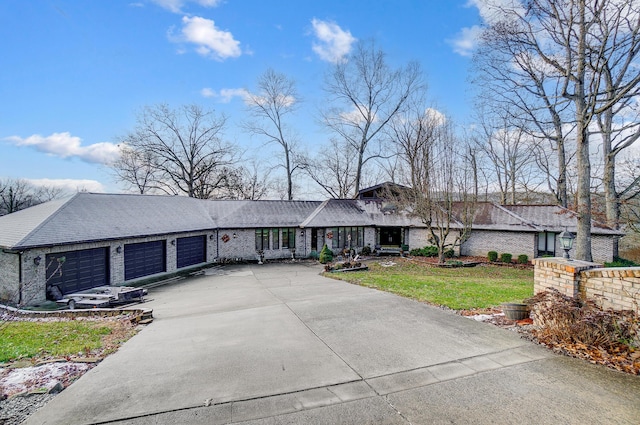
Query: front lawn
x=67 y=338
x=478 y=287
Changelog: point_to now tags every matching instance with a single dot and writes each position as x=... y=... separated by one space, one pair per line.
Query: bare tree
x=15 y=195
x=179 y=151
x=276 y=99
x=364 y=94
x=614 y=61
x=248 y=182
x=333 y=170
x=564 y=37
x=138 y=169
x=517 y=86
x=441 y=184
x=510 y=153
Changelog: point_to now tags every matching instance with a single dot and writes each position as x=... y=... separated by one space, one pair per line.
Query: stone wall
x=614 y=288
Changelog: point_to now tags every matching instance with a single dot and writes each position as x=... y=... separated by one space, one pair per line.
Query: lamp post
x=566 y=241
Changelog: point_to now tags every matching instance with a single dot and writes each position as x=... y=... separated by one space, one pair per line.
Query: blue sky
x=75 y=73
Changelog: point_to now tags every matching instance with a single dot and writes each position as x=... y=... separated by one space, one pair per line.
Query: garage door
x=144 y=259
x=80 y=270
x=191 y=250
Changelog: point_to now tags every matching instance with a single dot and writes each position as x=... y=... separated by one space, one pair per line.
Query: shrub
x=314 y=255
x=366 y=250
x=430 y=251
x=621 y=262
x=505 y=257
x=493 y=256
x=523 y=259
x=405 y=247
x=326 y=255
x=449 y=253
x=565 y=320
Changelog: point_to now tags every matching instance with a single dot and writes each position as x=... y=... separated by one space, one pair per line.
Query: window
x=546 y=243
x=347 y=237
x=289 y=238
x=275 y=239
x=262 y=239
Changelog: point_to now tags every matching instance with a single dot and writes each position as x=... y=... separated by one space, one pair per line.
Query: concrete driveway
x=279 y=344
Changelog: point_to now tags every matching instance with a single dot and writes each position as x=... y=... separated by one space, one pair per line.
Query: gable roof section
x=92 y=216
x=490 y=216
x=338 y=212
x=555 y=218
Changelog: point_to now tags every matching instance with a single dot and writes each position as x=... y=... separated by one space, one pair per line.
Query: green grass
x=457 y=288
x=19 y=340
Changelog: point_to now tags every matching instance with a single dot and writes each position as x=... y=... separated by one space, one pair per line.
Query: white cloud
x=224 y=95
x=70 y=185
x=466 y=40
x=490 y=12
x=333 y=43
x=355 y=116
x=435 y=116
x=176 y=6
x=210 y=41
x=65 y=145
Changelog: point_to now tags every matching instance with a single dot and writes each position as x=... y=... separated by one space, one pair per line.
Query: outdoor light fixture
x=566 y=241
x=118 y=249
x=210 y=237
x=234 y=235
x=173 y=242
x=37 y=260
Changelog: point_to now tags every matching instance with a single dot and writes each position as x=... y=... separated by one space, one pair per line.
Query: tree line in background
x=557 y=108
x=18 y=194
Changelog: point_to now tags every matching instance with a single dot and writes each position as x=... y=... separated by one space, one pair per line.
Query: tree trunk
x=583 y=239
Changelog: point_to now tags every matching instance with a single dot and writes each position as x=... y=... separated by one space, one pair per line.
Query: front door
x=390 y=236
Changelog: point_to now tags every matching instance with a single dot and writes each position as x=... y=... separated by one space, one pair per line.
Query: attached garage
x=191 y=250
x=80 y=270
x=144 y=259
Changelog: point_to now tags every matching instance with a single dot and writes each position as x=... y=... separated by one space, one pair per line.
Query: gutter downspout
x=20 y=278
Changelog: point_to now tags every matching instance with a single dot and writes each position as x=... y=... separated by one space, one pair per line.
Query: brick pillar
x=560 y=274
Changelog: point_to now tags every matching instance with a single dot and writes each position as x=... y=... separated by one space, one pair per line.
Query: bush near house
x=492 y=256
x=505 y=257
x=366 y=250
x=523 y=259
x=427 y=251
x=326 y=255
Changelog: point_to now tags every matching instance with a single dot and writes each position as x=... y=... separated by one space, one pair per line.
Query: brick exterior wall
x=611 y=288
x=482 y=241
x=601 y=248
x=9 y=278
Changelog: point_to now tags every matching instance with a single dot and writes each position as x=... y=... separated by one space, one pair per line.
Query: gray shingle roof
x=91 y=216
x=87 y=217
x=555 y=218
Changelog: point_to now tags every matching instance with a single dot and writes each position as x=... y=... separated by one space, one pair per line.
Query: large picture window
x=347 y=237
x=262 y=239
x=289 y=238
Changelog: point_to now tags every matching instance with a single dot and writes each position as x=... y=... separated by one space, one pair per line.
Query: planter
x=350 y=269
x=515 y=311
